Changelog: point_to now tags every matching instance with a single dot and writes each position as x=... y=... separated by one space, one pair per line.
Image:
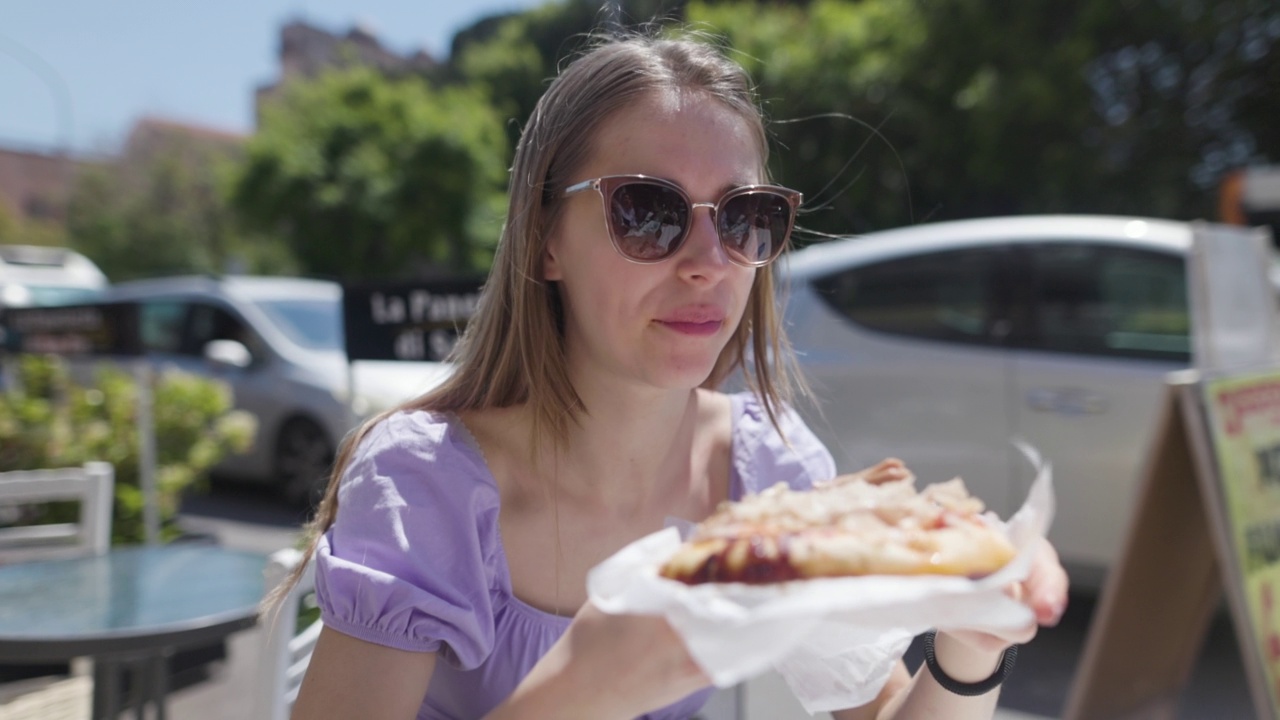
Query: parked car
x=33 y=275
x=941 y=343
x=278 y=342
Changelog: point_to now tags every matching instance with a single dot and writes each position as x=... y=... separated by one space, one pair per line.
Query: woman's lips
x=684 y=327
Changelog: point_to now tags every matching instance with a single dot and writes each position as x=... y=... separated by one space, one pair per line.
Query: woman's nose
x=703 y=253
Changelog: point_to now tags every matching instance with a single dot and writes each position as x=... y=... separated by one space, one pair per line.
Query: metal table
x=133 y=606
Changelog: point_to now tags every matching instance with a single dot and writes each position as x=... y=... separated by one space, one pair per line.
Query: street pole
x=147 y=453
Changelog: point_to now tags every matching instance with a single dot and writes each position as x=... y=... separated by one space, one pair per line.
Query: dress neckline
x=463 y=437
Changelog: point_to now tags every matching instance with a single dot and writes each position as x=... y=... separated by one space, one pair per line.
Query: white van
x=33 y=275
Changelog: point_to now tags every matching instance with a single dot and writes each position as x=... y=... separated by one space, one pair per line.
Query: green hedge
x=48 y=420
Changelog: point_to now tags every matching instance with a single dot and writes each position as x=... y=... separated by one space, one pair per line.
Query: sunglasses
x=649 y=218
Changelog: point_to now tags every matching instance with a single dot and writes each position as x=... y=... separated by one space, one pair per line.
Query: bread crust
x=846 y=527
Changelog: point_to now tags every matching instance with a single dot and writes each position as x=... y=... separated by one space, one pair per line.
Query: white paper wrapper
x=834 y=640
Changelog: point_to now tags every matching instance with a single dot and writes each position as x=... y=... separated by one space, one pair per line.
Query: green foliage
x=951 y=108
x=830 y=77
x=15 y=230
x=48 y=420
x=369 y=176
x=164 y=211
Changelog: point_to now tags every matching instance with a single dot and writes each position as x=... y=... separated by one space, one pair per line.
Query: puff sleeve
x=763 y=457
x=409 y=562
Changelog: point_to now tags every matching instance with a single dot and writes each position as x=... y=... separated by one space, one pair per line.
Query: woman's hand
x=1044 y=591
x=608 y=666
x=887 y=470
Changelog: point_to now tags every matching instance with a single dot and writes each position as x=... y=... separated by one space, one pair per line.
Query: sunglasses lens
x=754 y=226
x=647 y=221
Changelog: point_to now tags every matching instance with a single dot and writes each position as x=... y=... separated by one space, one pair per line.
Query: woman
x=455 y=538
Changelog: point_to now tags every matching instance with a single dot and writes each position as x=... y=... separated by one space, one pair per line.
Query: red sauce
x=763 y=566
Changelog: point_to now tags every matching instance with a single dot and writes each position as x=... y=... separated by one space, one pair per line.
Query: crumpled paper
x=834 y=640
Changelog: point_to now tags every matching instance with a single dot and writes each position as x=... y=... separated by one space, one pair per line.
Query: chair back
x=287 y=647
x=93 y=485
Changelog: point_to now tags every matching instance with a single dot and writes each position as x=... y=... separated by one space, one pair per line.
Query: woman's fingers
x=1046 y=586
x=886 y=470
x=1044 y=591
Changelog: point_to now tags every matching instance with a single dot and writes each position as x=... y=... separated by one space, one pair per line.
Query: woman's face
x=661 y=325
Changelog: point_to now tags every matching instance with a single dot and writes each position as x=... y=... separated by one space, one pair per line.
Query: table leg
x=106 y=690
x=140 y=689
x=160 y=682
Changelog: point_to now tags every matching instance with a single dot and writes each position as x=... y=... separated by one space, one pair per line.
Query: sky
x=75 y=74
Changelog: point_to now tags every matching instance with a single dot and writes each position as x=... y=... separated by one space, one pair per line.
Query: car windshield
x=313 y=324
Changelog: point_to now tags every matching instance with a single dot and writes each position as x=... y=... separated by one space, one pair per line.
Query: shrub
x=48 y=419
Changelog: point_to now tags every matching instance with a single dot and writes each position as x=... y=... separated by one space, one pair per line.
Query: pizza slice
x=845 y=527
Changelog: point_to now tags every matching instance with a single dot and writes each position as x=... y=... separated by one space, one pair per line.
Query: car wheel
x=303 y=461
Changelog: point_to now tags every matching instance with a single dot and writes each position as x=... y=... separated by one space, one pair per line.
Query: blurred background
x=328 y=143
x=343 y=140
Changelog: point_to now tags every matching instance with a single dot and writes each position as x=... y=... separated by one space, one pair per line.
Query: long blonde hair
x=512 y=351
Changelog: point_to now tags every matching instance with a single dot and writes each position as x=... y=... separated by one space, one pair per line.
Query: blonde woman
x=454 y=540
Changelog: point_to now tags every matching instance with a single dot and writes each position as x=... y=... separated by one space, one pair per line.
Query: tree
x=162 y=210
x=512 y=56
x=16 y=230
x=987 y=109
x=369 y=176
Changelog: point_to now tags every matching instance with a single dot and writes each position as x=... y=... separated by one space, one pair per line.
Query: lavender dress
x=415 y=558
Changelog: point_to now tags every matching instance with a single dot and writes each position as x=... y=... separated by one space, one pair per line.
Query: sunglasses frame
x=607 y=185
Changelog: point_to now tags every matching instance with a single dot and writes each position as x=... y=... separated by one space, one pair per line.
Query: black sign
x=407 y=321
x=98 y=329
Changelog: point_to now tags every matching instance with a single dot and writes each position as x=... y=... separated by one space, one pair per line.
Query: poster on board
x=1244 y=426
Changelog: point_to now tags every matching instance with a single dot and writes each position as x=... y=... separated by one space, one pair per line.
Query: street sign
x=1206 y=519
x=98 y=329
x=407 y=321
x=1244 y=426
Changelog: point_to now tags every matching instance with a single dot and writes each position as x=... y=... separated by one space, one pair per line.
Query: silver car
x=278 y=342
x=942 y=343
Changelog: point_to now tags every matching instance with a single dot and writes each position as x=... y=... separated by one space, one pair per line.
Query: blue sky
x=77 y=73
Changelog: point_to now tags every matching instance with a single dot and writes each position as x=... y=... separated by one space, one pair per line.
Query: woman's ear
x=550 y=263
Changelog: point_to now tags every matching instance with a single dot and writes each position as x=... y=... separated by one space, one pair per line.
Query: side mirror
x=230 y=353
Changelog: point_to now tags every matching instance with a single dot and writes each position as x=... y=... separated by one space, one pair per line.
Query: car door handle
x=1067 y=401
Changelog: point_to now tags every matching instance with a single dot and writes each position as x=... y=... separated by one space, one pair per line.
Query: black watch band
x=952 y=685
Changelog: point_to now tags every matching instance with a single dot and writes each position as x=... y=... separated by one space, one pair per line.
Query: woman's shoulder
x=418 y=456
x=768 y=450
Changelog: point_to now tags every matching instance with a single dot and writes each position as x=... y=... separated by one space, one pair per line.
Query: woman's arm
x=921 y=696
x=352 y=678
x=606 y=667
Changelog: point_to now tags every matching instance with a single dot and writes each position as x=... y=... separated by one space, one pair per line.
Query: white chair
x=286 y=647
x=93 y=485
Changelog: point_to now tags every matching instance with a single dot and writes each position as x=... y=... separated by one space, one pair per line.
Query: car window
x=314 y=324
x=161 y=325
x=953 y=295
x=1105 y=300
x=210 y=322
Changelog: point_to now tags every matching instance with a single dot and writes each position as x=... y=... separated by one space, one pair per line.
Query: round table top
x=134 y=599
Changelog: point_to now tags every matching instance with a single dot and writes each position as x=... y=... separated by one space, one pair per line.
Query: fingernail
x=1056 y=610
